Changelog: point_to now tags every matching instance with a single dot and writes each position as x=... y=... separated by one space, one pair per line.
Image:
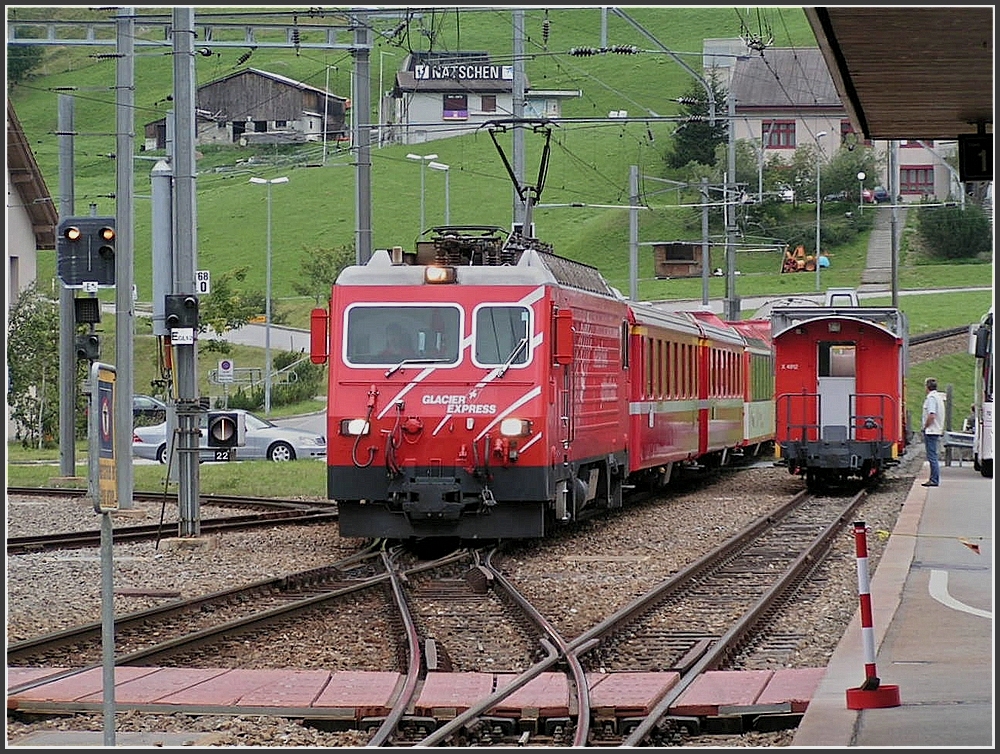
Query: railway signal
x=88 y=347
x=226 y=429
x=181 y=310
x=85 y=249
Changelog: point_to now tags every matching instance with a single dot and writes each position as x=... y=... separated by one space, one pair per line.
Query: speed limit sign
x=202 y=282
x=226 y=370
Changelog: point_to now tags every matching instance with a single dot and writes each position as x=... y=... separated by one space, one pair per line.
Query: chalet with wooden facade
x=251 y=106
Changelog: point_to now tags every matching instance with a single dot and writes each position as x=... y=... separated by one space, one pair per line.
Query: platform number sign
x=975 y=157
x=202 y=282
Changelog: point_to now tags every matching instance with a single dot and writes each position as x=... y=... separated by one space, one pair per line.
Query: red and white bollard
x=871 y=693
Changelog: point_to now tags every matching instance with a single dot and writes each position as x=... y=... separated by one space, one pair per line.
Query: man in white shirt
x=933 y=427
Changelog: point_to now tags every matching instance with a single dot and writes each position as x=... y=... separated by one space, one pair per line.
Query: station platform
x=352 y=697
x=932 y=621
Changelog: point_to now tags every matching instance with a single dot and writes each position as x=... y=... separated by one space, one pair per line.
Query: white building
x=785 y=96
x=31 y=214
x=440 y=95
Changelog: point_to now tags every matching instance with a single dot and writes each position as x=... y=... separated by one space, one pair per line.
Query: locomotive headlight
x=435 y=275
x=354 y=427
x=515 y=427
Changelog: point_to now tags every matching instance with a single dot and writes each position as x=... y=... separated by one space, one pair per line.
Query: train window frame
x=648 y=382
x=363 y=351
x=521 y=360
x=660 y=363
x=626 y=348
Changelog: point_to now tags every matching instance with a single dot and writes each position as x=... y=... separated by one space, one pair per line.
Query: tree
x=320 y=269
x=955 y=233
x=841 y=172
x=696 y=139
x=21 y=61
x=33 y=368
x=226 y=309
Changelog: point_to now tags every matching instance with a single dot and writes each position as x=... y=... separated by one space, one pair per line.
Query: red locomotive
x=484 y=387
x=839 y=389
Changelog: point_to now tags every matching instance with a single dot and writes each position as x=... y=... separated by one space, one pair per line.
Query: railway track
x=239 y=501
x=269 y=512
x=729 y=588
x=790 y=531
x=930 y=337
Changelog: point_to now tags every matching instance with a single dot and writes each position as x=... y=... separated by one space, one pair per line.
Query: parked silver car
x=264 y=441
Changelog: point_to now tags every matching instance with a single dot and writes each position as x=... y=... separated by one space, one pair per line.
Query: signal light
x=88 y=347
x=226 y=429
x=85 y=247
x=181 y=310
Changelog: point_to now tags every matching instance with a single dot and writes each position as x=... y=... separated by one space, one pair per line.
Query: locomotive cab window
x=836 y=359
x=503 y=335
x=387 y=335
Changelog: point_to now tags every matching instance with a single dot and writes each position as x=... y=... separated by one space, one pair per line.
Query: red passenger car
x=839 y=390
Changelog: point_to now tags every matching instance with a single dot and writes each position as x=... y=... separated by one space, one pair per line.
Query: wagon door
x=836 y=378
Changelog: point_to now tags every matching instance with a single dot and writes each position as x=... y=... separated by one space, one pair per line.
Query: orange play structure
x=799 y=261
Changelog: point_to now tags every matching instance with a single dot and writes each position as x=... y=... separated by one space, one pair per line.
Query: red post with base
x=872 y=693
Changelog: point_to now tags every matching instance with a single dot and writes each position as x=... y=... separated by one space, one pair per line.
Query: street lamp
x=424 y=158
x=447 y=190
x=819 y=152
x=267 y=295
x=861 y=192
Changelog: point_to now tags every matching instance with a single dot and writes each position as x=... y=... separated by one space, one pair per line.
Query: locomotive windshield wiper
x=404 y=362
x=513 y=355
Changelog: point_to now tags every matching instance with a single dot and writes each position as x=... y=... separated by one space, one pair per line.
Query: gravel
x=667 y=534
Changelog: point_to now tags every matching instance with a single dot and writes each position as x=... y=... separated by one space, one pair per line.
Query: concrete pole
x=732 y=300
x=517 y=150
x=633 y=233
x=124 y=253
x=894 y=229
x=818 y=211
x=326 y=109
x=423 y=196
x=705 y=254
x=267 y=313
x=185 y=214
x=67 y=312
x=361 y=98
x=447 y=197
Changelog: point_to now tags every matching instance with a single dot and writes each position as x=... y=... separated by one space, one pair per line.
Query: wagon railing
x=866 y=421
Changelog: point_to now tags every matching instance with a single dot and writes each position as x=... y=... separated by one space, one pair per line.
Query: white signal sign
x=202 y=282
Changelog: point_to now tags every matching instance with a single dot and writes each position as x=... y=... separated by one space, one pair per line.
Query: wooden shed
x=257 y=107
x=677 y=259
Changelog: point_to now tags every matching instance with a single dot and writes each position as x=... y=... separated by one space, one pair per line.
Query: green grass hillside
x=589 y=162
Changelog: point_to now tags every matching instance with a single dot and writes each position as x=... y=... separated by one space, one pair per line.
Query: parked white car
x=265 y=440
